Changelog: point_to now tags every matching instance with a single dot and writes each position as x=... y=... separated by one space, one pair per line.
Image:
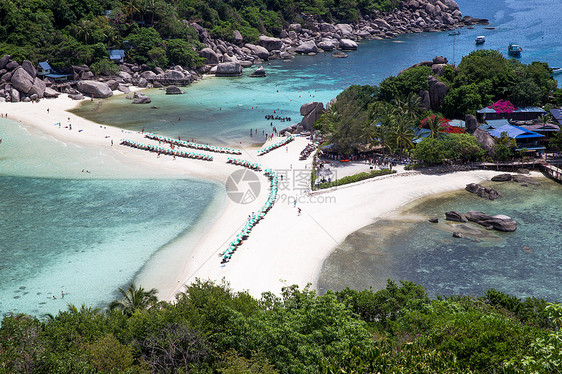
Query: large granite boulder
x=484 y=192
x=38 y=88
x=307 y=47
x=485 y=140
x=327 y=28
x=451 y=5
x=471 y=123
x=348 y=45
x=269 y=43
x=123 y=88
x=502 y=178
x=345 y=29
x=173 y=90
x=148 y=75
x=77 y=96
x=437 y=92
x=22 y=81
x=259 y=73
x=50 y=93
x=12 y=65
x=440 y=60
x=238 y=38
x=257 y=50
x=296 y=27
x=4 y=61
x=95 y=89
x=15 y=95
x=326 y=45
x=311 y=112
x=140 y=98
x=455 y=217
x=425 y=101
x=228 y=69
x=524 y=179
x=174 y=75
x=210 y=56
x=498 y=222
x=28 y=66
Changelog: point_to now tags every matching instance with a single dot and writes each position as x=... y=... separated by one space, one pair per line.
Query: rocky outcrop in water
x=481 y=191
x=259 y=73
x=498 y=222
x=140 y=98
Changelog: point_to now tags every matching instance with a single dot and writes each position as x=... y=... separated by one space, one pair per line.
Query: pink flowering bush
x=503 y=106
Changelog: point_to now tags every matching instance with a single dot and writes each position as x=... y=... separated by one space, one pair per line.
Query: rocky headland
x=228 y=58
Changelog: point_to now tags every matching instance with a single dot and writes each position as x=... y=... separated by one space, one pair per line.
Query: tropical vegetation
x=390 y=115
x=212 y=329
x=74 y=32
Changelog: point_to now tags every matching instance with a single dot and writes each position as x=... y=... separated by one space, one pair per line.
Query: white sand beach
x=284 y=248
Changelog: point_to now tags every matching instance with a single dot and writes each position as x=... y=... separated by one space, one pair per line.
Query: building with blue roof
x=526 y=139
x=520 y=114
x=117 y=55
x=44 y=68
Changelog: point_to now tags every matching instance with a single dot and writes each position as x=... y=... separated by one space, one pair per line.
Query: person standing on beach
x=299 y=211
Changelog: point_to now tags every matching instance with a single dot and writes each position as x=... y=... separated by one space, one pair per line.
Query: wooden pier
x=552 y=172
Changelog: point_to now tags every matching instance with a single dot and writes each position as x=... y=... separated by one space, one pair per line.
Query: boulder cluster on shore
x=224 y=58
x=315 y=36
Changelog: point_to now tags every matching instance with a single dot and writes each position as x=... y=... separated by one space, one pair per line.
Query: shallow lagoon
x=527 y=262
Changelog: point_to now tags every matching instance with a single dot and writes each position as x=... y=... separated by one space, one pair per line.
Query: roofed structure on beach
x=44 y=68
x=117 y=55
x=527 y=140
x=492 y=124
x=557 y=114
x=515 y=132
x=519 y=114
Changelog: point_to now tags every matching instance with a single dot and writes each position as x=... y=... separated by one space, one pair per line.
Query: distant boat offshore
x=480 y=39
x=514 y=50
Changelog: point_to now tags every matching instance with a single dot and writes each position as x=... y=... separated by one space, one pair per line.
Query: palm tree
x=433 y=123
x=410 y=105
x=402 y=134
x=134 y=298
x=382 y=116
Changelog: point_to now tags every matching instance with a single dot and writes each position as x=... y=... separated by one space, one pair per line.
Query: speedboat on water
x=556 y=71
x=514 y=49
x=480 y=40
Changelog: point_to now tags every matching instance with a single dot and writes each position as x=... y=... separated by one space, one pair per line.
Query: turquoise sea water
x=86 y=237
x=87 y=234
x=223 y=110
x=527 y=262
x=74 y=219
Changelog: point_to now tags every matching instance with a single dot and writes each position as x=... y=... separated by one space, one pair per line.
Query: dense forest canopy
x=212 y=329
x=82 y=31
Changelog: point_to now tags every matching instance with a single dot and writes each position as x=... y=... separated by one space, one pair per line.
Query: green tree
x=430 y=151
x=555 y=141
x=402 y=134
x=410 y=81
x=181 y=52
x=134 y=298
x=146 y=40
x=463 y=147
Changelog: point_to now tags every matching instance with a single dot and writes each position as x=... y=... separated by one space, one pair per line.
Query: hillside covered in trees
x=73 y=32
x=212 y=329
